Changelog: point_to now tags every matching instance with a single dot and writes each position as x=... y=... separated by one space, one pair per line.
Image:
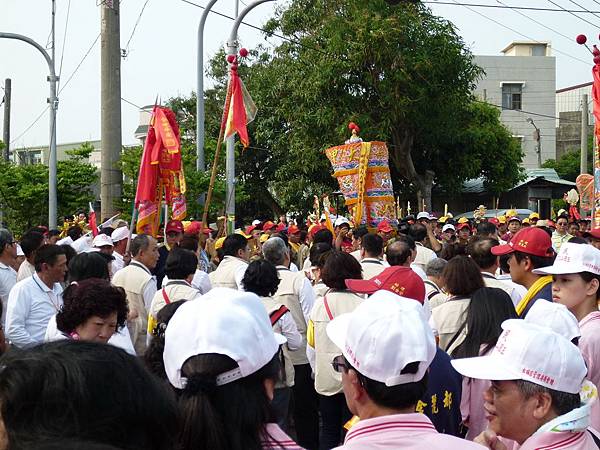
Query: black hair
x=323 y=236
x=140 y=243
x=88 y=265
x=316 y=251
x=53 y=232
x=486 y=229
x=488 y=308
x=504 y=267
x=67 y=444
x=233 y=243
x=578 y=240
x=261 y=278
x=339 y=267
x=462 y=276
x=75 y=232
x=372 y=244
x=480 y=251
x=232 y=416
x=417 y=231
x=153 y=357
x=190 y=242
x=6 y=239
x=536 y=261
x=562 y=402
x=47 y=254
x=180 y=263
x=70 y=252
x=589 y=276
x=360 y=231
x=30 y=242
x=88 y=298
x=401 y=396
x=398 y=252
x=83 y=390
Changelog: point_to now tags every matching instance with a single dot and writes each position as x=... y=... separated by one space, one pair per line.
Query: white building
x=522 y=82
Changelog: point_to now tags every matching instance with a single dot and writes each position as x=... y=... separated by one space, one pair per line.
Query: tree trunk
x=401 y=157
x=272 y=203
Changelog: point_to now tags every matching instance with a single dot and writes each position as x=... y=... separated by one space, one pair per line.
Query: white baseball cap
x=340 y=221
x=102 y=240
x=255 y=222
x=573 y=258
x=65 y=241
x=555 y=316
x=423 y=215
x=529 y=352
x=224 y=321
x=447 y=227
x=384 y=334
x=119 y=234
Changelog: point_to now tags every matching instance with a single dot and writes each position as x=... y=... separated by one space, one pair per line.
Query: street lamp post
x=53 y=102
x=538 y=138
x=232 y=49
x=200 y=90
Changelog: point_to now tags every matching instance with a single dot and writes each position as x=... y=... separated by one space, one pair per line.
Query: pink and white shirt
x=581 y=440
x=402 y=431
x=589 y=344
x=275 y=438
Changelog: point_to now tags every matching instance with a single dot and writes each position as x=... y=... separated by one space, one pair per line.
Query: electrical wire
x=62 y=53
x=89 y=50
x=524 y=8
x=126 y=50
x=575 y=15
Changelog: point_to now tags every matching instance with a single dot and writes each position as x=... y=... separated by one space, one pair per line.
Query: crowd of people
x=429 y=333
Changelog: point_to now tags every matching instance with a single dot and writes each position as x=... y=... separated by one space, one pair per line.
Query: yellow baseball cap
x=264 y=237
x=534 y=215
x=502 y=219
x=219 y=242
x=463 y=220
x=443 y=219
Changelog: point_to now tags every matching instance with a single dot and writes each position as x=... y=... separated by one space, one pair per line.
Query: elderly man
x=295 y=292
x=140 y=286
x=8 y=275
x=34 y=300
x=538 y=395
x=434 y=282
x=386 y=348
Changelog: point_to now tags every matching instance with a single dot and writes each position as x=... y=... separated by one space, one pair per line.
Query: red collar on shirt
x=405 y=422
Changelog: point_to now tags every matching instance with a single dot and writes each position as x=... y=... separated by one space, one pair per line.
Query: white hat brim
x=487 y=367
x=337 y=330
x=560 y=269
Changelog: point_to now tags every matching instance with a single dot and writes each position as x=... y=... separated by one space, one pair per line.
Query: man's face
x=149 y=256
x=174 y=238
x=517 y=269
x=57 y=270
x=245 y=253
x=448 y=235
x=10 y=249
x=501 y=228
x=464 y=233
x=574 y=229
x=53 y=239
x=256 y=234
x=509 y=413
x=294 y=238
x=561 y=226
x=386 y=236
x=514 y=226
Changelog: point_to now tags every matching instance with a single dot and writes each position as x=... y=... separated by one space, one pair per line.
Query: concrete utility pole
x=111 y=179
x=538 y=139
x=6 y=134
x=584 y=134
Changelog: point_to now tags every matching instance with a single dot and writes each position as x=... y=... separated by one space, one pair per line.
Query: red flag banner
x=92 y=221
x=242 y=109
x=161 y=172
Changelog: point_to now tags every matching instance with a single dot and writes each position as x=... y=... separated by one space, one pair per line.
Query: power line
x=524 y=8
x=64 y=43
x=89 y=50
x=519 y=33
x=575 y=15
x=30 y=126
x=126 y=49
x=582 y=7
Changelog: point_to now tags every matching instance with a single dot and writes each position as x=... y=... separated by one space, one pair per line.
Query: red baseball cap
x=250 y=229
x=494 y=220
x=268 y=225
x=315 y=228
x=293 y=229
x=400 y=280
x=196 y=227
x=531 y=240
x=384 y=226
x=280 y=227
x=174 y=225
x=595 y=233
x=460 y=226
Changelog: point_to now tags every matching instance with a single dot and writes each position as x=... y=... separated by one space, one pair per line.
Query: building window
x=538 y=50
x=511 y=95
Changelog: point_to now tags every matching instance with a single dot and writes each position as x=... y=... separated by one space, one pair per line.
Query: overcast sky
x=162 y=53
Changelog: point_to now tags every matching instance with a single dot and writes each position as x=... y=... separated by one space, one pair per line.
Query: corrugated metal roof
x=476 y=186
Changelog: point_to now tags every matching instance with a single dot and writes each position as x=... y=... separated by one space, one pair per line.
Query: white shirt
x=31 y=304
x=26 y=269
x=306 y=296
x=417 y=269
x=118 y=262
x=120 y=339
x=201 y=281
x=519 y=291
x=8 y=278
x=290 y=331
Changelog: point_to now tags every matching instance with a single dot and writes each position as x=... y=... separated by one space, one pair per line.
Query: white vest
x=371 y=267
x=288 y=294
x=224 y=276
x=175 y=290
x=133 y=279
x=327 y=380
x=271 y=305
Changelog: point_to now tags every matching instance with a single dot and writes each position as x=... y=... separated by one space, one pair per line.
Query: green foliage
x=24 y=190
x=569 y=164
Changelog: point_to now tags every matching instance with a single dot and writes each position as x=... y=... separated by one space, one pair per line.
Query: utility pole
x=232 y=49
x=584 y=133
x=111 y=179
x=6 y=134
